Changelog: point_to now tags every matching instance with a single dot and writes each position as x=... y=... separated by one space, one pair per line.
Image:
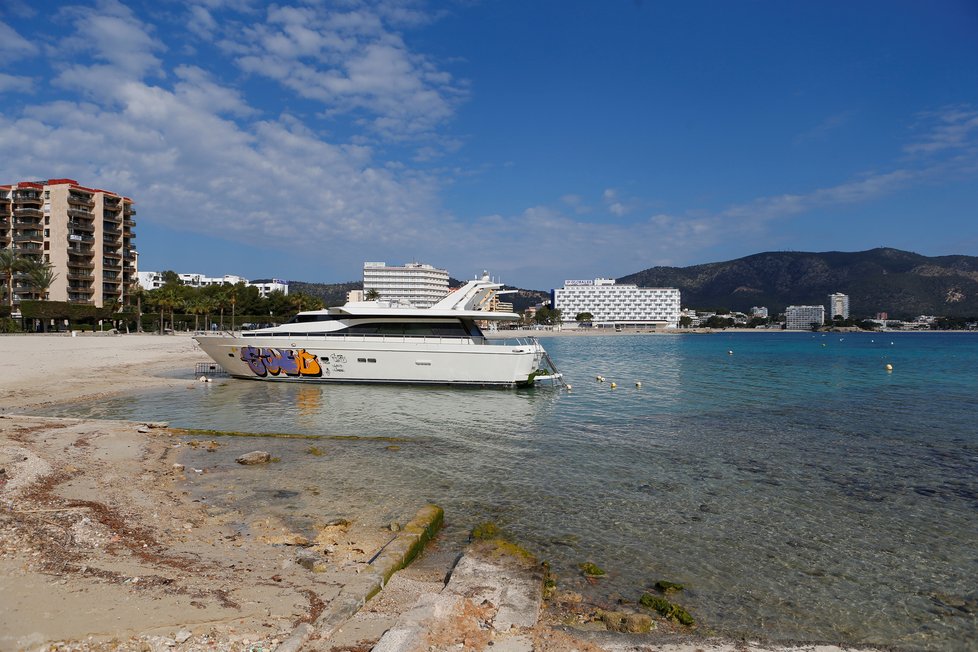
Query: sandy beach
x=102 y=547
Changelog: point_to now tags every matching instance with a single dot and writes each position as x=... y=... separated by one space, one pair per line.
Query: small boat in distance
x=381 y=342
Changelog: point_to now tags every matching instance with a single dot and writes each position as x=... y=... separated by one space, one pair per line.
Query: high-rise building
x=617 y=305
x=838 y=306
x=418 y=284
x=86 y=234
x=801 y=318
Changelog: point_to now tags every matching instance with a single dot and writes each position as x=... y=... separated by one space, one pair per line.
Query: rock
x=182 y=636
x=178 y=467
x=590 y=569
x=667 y=587
x=638 y=623
x=142 y=429
x=395 y=526
x=307 y=559
x=255 y=457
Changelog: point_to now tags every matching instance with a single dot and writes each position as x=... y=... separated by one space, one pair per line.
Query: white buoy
x=730 y=352
x=203 y=379
x=638 y=384
x=569 y=387
x=600 y=379
x=613 y=385
x=889 y=367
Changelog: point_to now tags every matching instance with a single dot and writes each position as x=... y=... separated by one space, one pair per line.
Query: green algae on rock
x=664 y=586
x=591 y=569
x=667 y=609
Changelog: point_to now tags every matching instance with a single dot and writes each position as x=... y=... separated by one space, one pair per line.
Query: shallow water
x=798 y=489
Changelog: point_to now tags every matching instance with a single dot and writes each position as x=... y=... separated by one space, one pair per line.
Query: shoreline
x=98 y=513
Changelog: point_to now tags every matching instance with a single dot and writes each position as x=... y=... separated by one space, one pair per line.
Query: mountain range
x=901 y=283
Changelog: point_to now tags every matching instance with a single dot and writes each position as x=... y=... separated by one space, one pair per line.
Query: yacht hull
x=424 y=361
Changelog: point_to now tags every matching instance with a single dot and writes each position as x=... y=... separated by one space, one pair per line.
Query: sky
x=538 y=141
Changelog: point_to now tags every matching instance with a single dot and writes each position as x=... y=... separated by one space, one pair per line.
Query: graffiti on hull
x=289 y=362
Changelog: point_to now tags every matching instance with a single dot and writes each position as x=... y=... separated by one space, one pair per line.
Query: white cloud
x=16 y=84
x=13 y=46
x=352 y=63
x=951 y=128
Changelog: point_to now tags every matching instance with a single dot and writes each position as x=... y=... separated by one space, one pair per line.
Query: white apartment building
x=838 y=305
x=418 y=284
x=154 y=280
x=266 y=285
x=801 y=318
x=759 y=312
x=614 y=305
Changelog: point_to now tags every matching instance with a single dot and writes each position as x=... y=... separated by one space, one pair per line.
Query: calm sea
x=795 y=486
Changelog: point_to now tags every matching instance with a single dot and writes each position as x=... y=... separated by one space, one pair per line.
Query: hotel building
x=418 y=284
x=618 y=305
x=838 y=306
x=86 y=234
x=801 y=318
x=154 y=280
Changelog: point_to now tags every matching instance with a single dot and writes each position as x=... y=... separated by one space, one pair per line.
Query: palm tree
x=165 y=298
x=196 y=306
x=138 y=291
x=372 y=294
x=40 y=277
x=10 y=263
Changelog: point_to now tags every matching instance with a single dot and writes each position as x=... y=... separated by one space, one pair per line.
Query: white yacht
x=377 y=342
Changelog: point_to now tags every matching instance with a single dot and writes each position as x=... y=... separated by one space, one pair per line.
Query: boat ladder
x=556 y=375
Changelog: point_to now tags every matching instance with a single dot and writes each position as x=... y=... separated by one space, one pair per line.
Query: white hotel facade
x=418 y=284
x=618 y=305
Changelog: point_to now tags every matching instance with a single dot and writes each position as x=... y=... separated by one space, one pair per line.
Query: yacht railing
x=382 y=339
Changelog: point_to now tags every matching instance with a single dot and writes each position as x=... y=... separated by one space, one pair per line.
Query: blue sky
x=538 y=140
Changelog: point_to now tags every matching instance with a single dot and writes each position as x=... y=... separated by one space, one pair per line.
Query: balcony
x=81 y=200
x=110 y=253
x=80 y=276
x=81 y=214
x=111 y=232
x=28 y=249
x=77 y=225
x=30 y=196
x=77 y=298
x=83 y=288
x=29 y=236
x=27 y=223
x=28 y=212
x=112 y=217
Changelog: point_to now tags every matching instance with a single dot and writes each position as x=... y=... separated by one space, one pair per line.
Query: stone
x=638 y=623
x=255 y=457
x=182 y=636
x=307 y=559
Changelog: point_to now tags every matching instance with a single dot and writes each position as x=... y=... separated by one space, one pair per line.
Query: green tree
x=716 y=321
x=166 y=299
x=685 y=321
x=40 y=277
x=137 y=292
x=582 y=317
x=371 y=295
x=10 y=264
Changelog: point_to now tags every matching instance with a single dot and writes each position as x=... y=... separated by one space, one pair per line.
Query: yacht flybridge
x=381 y=342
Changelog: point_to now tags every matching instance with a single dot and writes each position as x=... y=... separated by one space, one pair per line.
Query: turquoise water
x=798 y=489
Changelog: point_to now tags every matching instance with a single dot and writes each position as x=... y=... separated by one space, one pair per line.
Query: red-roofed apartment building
x=86 y=234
